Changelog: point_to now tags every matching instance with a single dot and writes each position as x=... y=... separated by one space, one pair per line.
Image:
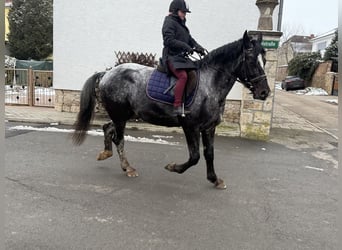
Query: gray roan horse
x=123 y=94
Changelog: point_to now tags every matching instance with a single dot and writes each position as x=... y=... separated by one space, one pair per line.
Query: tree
x=331 y=52
x=31 y=27
x=304 y=65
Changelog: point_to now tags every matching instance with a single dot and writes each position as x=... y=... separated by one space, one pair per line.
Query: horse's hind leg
x=208 y=150
x=109 y=135
x=119 y=142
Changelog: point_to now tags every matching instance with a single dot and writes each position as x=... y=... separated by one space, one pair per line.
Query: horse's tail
x=87 y=104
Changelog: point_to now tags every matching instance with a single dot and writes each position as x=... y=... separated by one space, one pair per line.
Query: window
x=321 y=46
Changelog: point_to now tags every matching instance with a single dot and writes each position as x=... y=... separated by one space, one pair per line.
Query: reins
x=246 y=82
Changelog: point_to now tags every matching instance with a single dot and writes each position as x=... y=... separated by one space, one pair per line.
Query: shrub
x=331 y=53
x=304 y=65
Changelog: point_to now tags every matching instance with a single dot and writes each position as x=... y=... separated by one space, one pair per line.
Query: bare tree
x=287 y=50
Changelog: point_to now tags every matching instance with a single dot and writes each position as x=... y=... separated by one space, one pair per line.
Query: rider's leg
x=182 y=78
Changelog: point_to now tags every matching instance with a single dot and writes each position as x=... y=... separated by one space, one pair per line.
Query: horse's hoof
x=104 y=155
x=170 y=167
x=131 y=172
x=219 y=184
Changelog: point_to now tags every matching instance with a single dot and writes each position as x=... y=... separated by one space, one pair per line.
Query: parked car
x=292 y=83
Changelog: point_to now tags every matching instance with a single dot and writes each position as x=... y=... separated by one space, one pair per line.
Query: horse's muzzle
x=264 y=94
x=261 y=93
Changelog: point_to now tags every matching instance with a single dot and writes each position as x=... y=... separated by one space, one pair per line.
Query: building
x=288 y=50
x=322 y=41
x=85 y=39
x=293 y=46
x=298 y=44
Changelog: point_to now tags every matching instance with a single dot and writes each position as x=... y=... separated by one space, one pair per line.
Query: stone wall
x=67 y=100
x=323 y=78
x=281 y=73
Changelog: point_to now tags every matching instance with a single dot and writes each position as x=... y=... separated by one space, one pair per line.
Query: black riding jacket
x=177 y=39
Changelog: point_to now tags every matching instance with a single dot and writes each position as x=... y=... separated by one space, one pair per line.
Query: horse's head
x=251 y=71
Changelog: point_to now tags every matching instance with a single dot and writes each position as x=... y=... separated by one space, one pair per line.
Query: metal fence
x=29 y=87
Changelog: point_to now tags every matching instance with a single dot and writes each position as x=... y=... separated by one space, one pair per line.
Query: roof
x=299 y=39
x=326 y=34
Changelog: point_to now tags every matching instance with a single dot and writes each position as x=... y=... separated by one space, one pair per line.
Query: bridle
x=248 y=83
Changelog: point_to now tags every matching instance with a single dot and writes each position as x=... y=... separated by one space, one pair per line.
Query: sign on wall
x=270 y=44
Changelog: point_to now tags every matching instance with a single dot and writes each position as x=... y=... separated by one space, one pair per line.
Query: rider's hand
x=190 y=51
x=200 y=50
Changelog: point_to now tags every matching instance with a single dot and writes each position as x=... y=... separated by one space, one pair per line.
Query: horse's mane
x=223 y=54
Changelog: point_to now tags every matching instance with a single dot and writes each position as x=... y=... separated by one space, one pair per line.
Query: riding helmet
x=178 y=5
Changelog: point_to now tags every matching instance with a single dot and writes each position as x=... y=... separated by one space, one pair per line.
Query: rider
x=178 y=42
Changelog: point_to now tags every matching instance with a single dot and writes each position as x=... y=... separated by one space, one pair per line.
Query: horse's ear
x=246 y=40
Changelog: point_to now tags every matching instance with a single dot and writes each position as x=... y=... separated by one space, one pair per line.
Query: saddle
x=160 y=87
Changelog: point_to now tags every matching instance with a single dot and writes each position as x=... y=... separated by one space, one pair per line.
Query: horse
x=123 y=95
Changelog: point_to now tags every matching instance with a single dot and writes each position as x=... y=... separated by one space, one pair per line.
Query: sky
x=309 y=16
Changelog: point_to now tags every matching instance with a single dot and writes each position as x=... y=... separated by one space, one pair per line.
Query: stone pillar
x=266 y=8
x=256 y=115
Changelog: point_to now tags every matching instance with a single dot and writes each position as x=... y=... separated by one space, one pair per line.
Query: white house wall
x=321 y=42
x=86 y=33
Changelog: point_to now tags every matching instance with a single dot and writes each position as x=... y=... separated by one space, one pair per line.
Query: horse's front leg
x=208 y=150
x=109 y=134
x=192 y=138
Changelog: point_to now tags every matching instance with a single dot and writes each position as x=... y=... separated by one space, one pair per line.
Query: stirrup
x=180 y=111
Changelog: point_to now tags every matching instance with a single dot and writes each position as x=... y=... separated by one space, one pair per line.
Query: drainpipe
x=280 y=14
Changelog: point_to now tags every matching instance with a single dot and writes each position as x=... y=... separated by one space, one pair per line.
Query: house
x=293 y=46
x=85 y=40
x=322 y=41
x=288 y=50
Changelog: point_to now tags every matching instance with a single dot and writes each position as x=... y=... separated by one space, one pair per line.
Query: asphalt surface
x=281 y=194
x=316 y=110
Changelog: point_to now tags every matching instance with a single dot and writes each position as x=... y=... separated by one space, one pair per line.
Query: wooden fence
x=29 y=87
x=140 y=58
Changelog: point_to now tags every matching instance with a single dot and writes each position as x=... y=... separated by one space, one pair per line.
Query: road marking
x=322 y=129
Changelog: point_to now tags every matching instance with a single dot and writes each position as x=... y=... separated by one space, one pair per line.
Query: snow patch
x=278 y=86
x=332 y=101
x=325 y=157
x=312 y=91
x=313 y=168
x=94 y=132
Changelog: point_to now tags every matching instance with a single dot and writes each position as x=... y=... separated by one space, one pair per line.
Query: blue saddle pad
x=159 y=88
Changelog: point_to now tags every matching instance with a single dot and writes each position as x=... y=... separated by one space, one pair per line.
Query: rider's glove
x=200 y=50
x=189 y=50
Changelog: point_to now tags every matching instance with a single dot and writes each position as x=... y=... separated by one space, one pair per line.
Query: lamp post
x=266 y=8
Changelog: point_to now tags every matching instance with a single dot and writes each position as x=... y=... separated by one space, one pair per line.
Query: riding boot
x=178 y=111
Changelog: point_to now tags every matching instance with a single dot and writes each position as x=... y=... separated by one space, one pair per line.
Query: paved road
x=59 y=197
x=315 y=109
